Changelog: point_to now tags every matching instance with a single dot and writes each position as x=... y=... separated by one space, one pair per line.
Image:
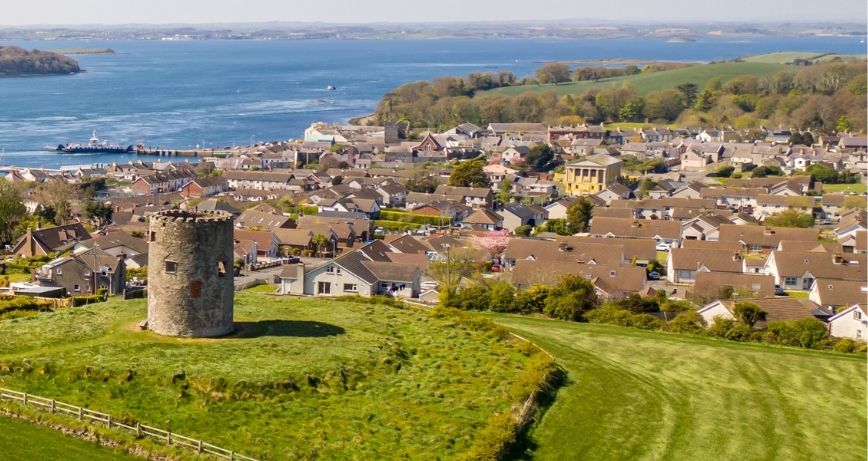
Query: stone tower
x=190 y=286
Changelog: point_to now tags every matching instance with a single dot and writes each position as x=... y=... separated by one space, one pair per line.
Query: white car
x=662 y=246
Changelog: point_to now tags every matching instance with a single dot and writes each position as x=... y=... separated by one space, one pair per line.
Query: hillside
x=23 y=440
x=633 y=394
x=645 y=83
x=301 y=379
x=16 y=61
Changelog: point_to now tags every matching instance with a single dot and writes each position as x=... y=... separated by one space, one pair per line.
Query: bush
x=646 y=322
x=502 y=297
x=476 y=297
x=532 y=300
x=571 y=298
x=687 y=322
x=23 y=303
x=807 y=333
x=610 y=314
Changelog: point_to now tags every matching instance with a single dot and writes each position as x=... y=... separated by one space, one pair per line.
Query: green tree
x=502 y=297
x=320 y=242
x=98 y=212
x=523 y=230
x=633 y=110
x=553 y=72
x=540 y=157
x=790 y=218
x=470 y=174
x=705 y=101
x=766 y=170
x=663 y=105
x=504 y=192
x=11 y=210
x=610 y=100
x=579 y=215
x=843 y=124
x=822 y=173
x=688 y=93
x=749 y=313
x=571 y=298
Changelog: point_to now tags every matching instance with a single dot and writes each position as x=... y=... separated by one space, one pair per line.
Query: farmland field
x=303 y=378
x=645 y=83
x=633 y=394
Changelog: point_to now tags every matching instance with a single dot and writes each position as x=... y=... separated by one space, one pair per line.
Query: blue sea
x=182 y=94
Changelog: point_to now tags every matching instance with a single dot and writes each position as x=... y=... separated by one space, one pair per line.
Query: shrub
x=22 y=303
x=610 y=314
x=802 y=333
x=687 y=322
x=645 y=322
x=845 y=345
x=523 y=230
x=476 y=297
x=502 y=297
x=532 y=300
x=571 y=298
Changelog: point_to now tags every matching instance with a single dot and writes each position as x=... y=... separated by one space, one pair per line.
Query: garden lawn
x=634 y=394
x=645 y=83
x=20 y=440
x=304 y=377
x=857 y=188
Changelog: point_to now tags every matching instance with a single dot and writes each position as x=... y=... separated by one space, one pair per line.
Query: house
x=850 y=323
x=267 y=243
x=258 y=180
x=835 y=294
x=797 y=270
x=515 y=215
x=776 y=309
x=661 y=231
x=85 y=273
x=474 y=197
x=353 y=273
x=254 y=219
x=204 y=187
x=610 y=282
x=615 y=191
x=41 y=242
x=590 y=175
x=684 y=263
x=392 y=194
x=483 y=219
x=558 y=209
x=164 y=181
x=565 y=251
x=856 y=242
x=764 y=238
x=709 y=285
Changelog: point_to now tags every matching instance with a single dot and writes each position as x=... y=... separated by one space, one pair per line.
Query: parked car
x=654 y=275
x=495 y=268
x=779 y=291
x=662 y=246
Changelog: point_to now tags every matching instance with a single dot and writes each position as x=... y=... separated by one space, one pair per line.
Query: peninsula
x=16 y=62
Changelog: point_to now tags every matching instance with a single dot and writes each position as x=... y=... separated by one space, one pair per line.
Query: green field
x=787 y=57
x=22 y=440
x=303 y=378
x=645 y=83
x=633 y=394
x=846 y=188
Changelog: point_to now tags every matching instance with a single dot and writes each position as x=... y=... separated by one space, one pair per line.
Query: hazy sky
x=28 y=12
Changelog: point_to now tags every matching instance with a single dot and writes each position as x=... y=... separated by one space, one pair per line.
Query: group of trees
x=823 y=97
x=578 y=219
x=18 y=61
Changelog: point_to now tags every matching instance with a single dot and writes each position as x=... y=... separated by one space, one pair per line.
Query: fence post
x=25 y=399
x=53 y=406
x=138 y=429
x=80 y=413
x=231 y=456
x=199 y=446
x=109 y=421
x=168 y=437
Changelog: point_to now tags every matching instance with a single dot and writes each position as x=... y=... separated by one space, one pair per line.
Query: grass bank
x=303 y=378
x=23 y=440
x=635 y=394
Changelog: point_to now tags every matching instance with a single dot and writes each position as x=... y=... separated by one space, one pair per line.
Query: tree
x=98 y=212
x=688 y=93
x=523 y=230
x=705 y=101
x=504 y=192
x=805 y=139
x=843 y=124
x=571 y=298
x=469 y=174
x=502 y=297
x=579 y=215
x=633 y=110
x=749 y=313
x=790 y=218
x=553 y=72
x=663 y=105
x=822 y=173
x=610 y=100
x=460 y=263
x=11 y=210
x=532 y=300
x=540 y=157
x=320 y=242
x=766 y=170
x=58 y=195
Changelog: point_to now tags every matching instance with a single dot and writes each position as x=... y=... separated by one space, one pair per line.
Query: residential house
x=683 y=264
x=764 y=238
x=85 y=273
x=42 y=242
x=797 y=270
x=708 y=286
x=204 y=187
x=590 y=175
x=483 y=219
x=516 y=214
x=776 y=309
x=850 y=323
x=661 y=231
x=267 y=243
x=837 y=294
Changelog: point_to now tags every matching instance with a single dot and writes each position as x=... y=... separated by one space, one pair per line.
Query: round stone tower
x=190 y=286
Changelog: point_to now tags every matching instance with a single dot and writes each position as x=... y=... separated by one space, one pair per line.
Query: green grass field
x=846 y=188
x=633 y=394
x=21 y=440
x=645 y=83
x=303 y=378
x=787 y=57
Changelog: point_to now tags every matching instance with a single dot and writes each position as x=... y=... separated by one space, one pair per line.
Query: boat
x=331 y=88
x=94 y=146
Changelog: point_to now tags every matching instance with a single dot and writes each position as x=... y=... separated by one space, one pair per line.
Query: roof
x=562 y=251
x=596 y=160
x=765 y=236
x=841 y=292
x=407 y=244
x=483 y=216
x=613 y=280
x=391 y=271
x=713 y=260
x=820 y=265
x=523 y=211
x=783 y=308
x=708 y=284
x=293 y=237
x=253 y=218
x=636 y=228
x=54 y=238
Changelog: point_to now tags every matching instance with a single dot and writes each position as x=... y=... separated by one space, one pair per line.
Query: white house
x=850 y=323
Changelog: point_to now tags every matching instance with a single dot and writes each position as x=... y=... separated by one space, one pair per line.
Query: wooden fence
x=83 y=414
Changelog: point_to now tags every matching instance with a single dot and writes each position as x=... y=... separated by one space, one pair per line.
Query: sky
x=78 y=12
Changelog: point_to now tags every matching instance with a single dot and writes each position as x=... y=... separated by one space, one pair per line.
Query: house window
x=685 y=274
x=351 y=287
x=858 y=334
x=324 y=288
x=857 y=315
x=755 y=247
x=330 y=270
x=59 y=271
x=76 y=288
x=338 y=271
x=790 y=281
x=384 y=285
x=171 y=267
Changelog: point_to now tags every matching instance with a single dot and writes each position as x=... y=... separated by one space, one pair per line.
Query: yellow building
x=590 y=175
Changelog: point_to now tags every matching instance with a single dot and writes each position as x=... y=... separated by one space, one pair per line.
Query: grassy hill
x=302 y=378
x=23 y=440
x=787 y=57
x=645 y=83
x=633 y=394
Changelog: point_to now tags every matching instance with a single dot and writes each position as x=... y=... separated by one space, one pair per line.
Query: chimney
x=636 y=224
x=838 y=258
x=768 y=231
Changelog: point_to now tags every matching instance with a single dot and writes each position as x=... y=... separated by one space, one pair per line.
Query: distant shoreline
x=83 y=51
